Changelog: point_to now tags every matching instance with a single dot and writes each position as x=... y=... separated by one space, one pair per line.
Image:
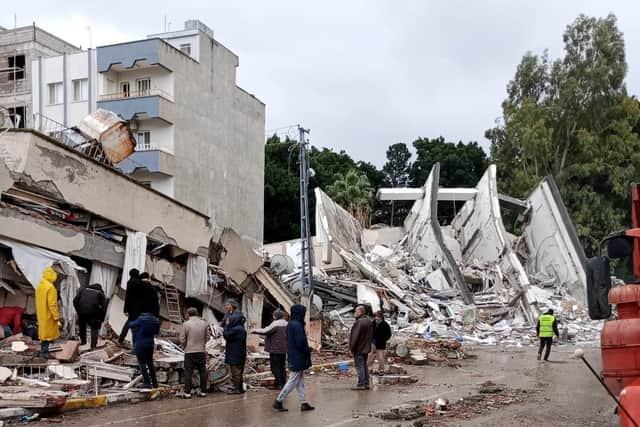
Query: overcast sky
x=360 y=74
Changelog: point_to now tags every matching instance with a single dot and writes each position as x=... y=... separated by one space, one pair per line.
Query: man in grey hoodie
x=275 y=343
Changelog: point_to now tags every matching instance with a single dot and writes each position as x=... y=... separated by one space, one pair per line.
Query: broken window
x=16 y=63
x=125 y=89
x=144 y=86
x=55 y=93
x=186 y=48
x=18 y=116
x=143 y=140
x=80 y=90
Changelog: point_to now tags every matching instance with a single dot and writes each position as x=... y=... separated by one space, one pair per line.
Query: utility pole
x=305 y=238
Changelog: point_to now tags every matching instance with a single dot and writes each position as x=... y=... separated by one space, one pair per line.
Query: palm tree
x=353 y=191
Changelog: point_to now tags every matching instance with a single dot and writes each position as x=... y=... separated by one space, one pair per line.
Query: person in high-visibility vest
x=546 y=328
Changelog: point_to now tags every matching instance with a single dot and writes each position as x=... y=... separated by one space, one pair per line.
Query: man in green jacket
x=546 y=328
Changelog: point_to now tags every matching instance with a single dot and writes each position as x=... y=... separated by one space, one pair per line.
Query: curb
x=104 y=400
x=329 y=366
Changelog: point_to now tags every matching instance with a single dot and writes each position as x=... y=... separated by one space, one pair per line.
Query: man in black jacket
x=91 y=306
x=381 y=334
x=149 y=302
x=131 y=302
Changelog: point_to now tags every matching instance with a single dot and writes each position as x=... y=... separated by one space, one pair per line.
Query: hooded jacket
x=236 y=337
x=144 y=328
x=91 y=303
x=47 y=310
x=298 y=352
x=361 y=336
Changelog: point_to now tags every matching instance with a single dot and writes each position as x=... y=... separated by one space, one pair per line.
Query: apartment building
x=64 y=88
x=18 y=48
x=200 y=137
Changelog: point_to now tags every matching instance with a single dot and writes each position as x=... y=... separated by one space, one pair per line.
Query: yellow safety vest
x=546 y=325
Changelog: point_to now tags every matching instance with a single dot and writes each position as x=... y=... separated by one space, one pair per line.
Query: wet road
x=569 y=396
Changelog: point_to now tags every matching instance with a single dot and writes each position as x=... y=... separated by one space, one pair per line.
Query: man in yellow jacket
x=47 y=310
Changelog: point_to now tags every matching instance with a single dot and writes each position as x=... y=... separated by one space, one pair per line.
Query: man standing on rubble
x=299 y=355
x=47 y=311
x=275 y=343
x=194 y=341
x=131 y=302
x=381 y=334
x=360 y=346
x=546 y=328
x=145 y=327
x=91 y=306
x=235 y=336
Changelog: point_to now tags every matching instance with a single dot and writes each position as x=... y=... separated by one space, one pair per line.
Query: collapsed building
x=64 y=204
x=470 y=279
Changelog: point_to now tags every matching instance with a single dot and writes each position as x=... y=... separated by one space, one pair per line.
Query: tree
x=281 y=189
x=396 y=172
x=572 y=118
x=376 y=177
x=353 y=191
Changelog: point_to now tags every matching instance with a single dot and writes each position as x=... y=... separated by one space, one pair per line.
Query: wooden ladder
x=172 y=298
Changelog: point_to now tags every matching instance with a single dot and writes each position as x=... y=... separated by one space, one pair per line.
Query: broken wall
x=425 y=238
x=37 y=162
x=482 y=236
x=336 y=226
x=553 y=251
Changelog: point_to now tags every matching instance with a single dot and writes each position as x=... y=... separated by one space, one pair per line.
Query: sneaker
x=359 y=388
x=306 y=407
x=186 y=395
x=278 y=406
x=201 y=394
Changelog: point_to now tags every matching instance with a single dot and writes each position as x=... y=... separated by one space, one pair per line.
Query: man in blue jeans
x=360 y=346
x=299 y=356
x=144 y=328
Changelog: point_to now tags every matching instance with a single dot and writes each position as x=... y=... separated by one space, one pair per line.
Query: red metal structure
x=620 y=338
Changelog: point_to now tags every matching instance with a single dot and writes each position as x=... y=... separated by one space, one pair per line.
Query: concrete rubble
x=469 y=282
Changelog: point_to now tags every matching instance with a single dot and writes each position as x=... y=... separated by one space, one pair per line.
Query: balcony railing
x=135 y=94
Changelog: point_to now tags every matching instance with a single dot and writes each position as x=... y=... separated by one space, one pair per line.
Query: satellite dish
x=282 y=264
x=312 y=172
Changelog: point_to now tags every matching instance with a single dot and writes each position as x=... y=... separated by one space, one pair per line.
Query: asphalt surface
x=565 y=394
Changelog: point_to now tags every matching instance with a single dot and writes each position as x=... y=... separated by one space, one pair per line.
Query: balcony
x=148 y=104
x=126 y=56
x=149 y=158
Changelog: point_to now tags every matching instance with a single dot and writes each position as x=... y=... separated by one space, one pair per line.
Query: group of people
x=368 y=342
x=285 y=341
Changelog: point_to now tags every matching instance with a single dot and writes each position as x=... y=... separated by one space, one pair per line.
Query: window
x=17 y=116
x=186 y=48
x=17 y=64
x=144 y=86
x=143 y=141
x=80 y=90
x=125 y=89
x=55 y=93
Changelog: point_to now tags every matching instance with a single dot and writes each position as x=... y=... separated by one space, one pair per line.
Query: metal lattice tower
x=305 y=238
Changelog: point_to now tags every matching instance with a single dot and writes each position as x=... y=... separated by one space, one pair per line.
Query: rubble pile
x=430 y=413
x=468 y=282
